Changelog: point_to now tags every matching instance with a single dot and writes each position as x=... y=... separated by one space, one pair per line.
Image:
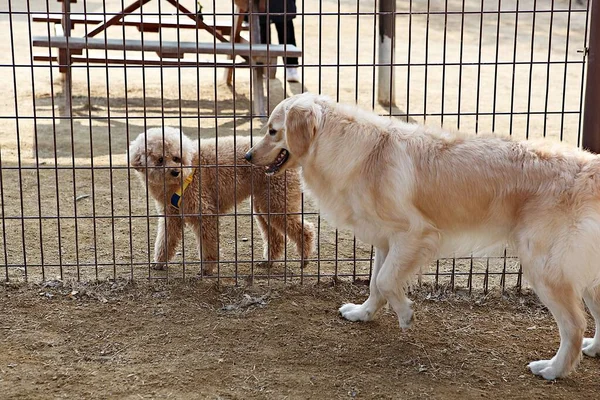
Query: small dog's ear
x=135 y=158
x=300 y=127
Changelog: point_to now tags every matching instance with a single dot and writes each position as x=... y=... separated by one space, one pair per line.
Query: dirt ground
x=195 y=340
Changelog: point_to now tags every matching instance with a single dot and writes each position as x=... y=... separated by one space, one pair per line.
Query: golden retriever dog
x=418 y=194
x=188 y=188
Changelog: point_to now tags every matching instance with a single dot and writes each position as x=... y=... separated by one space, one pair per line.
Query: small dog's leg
x=273 y=240
x=168 y=237
x=591 y=346
x=368 y=309
x=566 y=306
x=207 y=237
x=302 y=234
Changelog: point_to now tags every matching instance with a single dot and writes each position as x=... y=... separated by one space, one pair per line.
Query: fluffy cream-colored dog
x=417 y=194
x=188 y=188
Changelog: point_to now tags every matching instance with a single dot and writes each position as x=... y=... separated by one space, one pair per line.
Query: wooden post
x=385 y=83
x=64 y=57
x=591 y=114
x=255 y=66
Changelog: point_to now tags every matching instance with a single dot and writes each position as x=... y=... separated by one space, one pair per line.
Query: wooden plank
x=222 y=24
x=147 y=62
x=241 y=49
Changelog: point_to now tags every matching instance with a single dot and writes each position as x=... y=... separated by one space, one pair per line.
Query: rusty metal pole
x=591 y=107
x=385 y=82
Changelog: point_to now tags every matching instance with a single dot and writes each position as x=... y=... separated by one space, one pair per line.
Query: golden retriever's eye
x=160 y=161
x=176 y=159
x=272 y=132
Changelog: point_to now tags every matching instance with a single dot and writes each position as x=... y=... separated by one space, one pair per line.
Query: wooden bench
x=146 y=24
x=71 y=48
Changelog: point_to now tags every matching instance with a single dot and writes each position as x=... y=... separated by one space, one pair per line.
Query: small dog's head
x=161 y=154
x=292 y=127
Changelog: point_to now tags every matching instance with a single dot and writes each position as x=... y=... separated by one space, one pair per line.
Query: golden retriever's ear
x=300 y=125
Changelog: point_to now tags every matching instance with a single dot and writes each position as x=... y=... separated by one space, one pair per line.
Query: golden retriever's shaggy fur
x=417 y=194
x=164 y=158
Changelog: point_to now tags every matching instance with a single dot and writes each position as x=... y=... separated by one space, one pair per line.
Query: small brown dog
x=188 y=188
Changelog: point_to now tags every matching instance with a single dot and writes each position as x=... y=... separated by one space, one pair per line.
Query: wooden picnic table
x=254 y=54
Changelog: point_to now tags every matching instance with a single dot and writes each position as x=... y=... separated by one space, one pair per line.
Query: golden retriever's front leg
x=168 y=237
x=408 y=252
x=367 y=310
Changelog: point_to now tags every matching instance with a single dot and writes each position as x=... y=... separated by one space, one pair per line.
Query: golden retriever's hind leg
x=367 y=310
x=591 y=346
x=168 y=237
x=273 y=241
x=567 y=308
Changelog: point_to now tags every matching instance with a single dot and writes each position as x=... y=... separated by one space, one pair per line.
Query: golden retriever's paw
x=591 y=347
x=355 y=312
x=544 y=368
x=159 y=266
x=406 y=319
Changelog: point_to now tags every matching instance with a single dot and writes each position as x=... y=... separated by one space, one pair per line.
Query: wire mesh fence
x=84 y=79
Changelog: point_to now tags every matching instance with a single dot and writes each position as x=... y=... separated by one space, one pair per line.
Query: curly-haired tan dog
x=188 y=188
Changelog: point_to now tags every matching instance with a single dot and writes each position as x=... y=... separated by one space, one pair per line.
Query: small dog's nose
x=248 y=156
x=175 y=172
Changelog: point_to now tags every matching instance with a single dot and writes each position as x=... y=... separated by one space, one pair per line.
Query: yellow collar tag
x=178 y=195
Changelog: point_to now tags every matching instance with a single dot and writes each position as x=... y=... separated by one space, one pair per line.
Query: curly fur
x=164 y=157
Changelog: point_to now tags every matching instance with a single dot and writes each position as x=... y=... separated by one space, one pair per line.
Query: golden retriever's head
x=160 y=153
x=292 y=126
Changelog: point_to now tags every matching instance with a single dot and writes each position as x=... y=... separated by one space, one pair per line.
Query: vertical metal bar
x=514 y=68
x=583 y=73
x=110 y=155
x=217 y=181
x=532 y=52
x=199 y=147
x=460 y=76
x=565 y=72
x=4 y=243
x=162 y=124
x=497 y=51
x=181 y=133
x=37 y=153
x=385 y=86
x=548 y=68
x=444 y=44
x=128 y=138
x=56 y=179
x=591 y=117
x=18 y=132
x=66 y=76
x=426 y=60
x=93 y=183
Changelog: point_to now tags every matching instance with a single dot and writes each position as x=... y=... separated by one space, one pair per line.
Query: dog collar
x=178 y=195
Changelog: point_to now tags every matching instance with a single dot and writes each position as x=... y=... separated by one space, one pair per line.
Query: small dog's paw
x=264 y=264
x=159 y=266
x=544 y=368
x=590 y=347
x=355 y=312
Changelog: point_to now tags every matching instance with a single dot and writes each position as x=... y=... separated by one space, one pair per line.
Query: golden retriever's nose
x=248 y=156
x=175 y=172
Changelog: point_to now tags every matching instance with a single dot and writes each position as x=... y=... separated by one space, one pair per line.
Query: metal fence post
x=591 y=108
